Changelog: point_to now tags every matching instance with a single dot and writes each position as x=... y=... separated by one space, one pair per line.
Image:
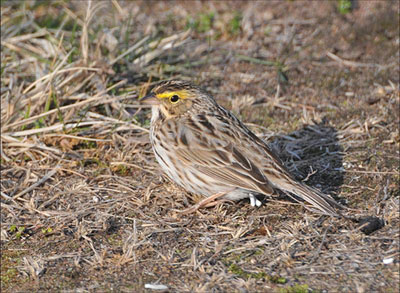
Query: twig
x=32 y=145
x=316 y=254
x=352 y=63
x=134 y=47
x=33 y=186
x=78 y=137
x=372 y=172
x=57 y=126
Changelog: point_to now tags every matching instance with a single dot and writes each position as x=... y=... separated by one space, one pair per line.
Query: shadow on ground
x=314 y=155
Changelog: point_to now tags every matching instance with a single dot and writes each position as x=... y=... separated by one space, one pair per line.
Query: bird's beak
x=150 y=99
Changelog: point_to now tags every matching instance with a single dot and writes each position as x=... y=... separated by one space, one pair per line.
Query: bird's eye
x=174 y=99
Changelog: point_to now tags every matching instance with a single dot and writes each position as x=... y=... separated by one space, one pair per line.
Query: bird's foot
x=205 y=203
x=254 y=202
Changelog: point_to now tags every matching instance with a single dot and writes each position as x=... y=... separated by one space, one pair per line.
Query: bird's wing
x=221 y=153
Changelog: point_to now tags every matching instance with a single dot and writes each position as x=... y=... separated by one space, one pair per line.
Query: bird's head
x=175 y=97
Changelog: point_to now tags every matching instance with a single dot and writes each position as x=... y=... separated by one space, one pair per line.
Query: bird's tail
x=317 y=199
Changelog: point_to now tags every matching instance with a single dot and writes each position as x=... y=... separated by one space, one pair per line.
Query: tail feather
x=322 y=202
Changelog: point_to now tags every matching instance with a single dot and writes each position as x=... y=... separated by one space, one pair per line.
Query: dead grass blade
x=39 y=182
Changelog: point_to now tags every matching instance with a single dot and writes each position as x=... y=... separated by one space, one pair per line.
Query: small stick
x=33 y=186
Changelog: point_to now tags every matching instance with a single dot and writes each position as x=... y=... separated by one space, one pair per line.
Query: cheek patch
x=166 y=112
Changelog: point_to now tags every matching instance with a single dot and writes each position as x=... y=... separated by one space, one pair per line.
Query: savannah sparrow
x=208 y=151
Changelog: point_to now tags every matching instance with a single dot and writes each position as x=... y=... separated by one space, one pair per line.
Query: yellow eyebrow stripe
x=181 y=94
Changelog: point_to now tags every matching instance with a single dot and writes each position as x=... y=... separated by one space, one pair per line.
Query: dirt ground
x=84 y=205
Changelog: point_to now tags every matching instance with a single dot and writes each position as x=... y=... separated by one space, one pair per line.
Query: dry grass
x=84 y=205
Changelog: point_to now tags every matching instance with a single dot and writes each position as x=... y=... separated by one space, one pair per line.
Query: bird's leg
x=254 y=201
x=207 y=202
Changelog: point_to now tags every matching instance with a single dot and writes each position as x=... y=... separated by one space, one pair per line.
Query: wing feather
x=219 y=158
